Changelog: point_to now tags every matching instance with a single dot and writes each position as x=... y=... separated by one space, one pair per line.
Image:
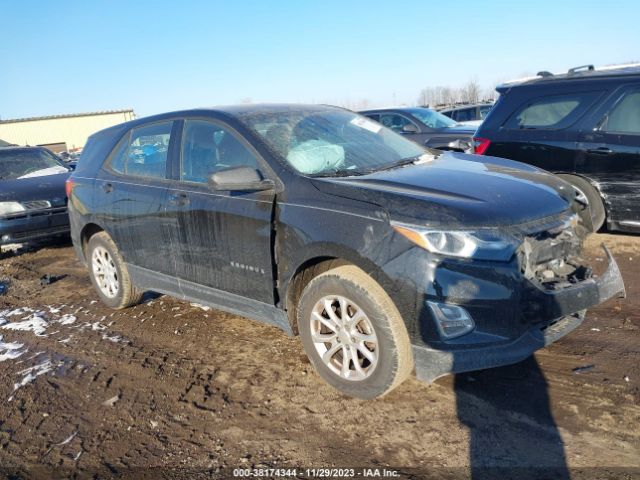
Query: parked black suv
x=584 y=126
x=324 y=223
x=425 y=127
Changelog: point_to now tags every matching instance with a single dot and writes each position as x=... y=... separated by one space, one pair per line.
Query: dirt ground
x=172 y=390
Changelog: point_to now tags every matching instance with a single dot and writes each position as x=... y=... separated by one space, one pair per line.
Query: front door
x=610 y=155
x=222 y=239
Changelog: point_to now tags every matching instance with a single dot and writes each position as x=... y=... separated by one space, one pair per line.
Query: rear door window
x=625 y=116
x=551 y=112
x=143 y=152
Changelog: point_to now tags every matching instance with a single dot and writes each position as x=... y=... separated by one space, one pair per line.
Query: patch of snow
x=202 y=307
x=11 y=350
x=67 y=440
x=67 y=319
x=35 y=323
x=31 y=373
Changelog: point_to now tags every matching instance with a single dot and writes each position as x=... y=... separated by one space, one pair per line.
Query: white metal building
x=60 y=132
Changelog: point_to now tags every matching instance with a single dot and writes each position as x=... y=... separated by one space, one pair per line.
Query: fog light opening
x=451 y=320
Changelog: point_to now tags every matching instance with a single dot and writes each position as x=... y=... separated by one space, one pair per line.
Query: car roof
x=393 y=109
x=462 y=107
x=582 y=73
x=224 y=110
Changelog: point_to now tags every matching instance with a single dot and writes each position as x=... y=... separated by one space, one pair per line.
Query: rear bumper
x=566 y=308
x=33 y=226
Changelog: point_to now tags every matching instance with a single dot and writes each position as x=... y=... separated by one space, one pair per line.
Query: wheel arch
x=88 y=231
x=313 y=264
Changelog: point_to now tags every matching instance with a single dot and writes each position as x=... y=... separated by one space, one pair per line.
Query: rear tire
x=353 y=333
x=596 y=207
x=109 y=274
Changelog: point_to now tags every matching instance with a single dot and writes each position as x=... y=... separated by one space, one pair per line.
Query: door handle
x=179 y=199
x=107 y=187
x=600 y=151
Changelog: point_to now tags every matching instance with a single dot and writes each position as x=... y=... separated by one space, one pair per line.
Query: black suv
x=325 y=223
x=584 y=126
x=425 y=127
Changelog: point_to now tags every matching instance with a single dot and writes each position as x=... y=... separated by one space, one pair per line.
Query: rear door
x=610 y=154
x=222 y=239
x=130 y=196
x=542 y=130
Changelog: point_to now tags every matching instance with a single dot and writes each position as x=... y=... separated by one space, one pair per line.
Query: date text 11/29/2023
x=315 y=473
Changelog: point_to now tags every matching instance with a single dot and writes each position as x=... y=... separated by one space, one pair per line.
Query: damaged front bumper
x=566 y=307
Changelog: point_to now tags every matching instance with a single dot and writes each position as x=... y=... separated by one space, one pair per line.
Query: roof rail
x=544 y=74
x=588 y=68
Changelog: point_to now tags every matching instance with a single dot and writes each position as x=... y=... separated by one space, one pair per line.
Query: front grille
x=35 y=213
x=551 y=256
x=36 y=204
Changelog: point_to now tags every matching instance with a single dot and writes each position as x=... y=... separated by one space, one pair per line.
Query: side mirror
x=409 y=128
x=240 y=179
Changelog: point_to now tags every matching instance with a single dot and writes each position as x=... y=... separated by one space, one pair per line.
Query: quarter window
x=143 y=152
x=552 y=112
x=208 y=147
x=625 y=117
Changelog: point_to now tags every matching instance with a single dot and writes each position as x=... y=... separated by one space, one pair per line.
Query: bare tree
x=472 y=91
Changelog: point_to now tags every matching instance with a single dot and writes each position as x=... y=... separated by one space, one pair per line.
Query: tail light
x=68 y=187
x=480 y=145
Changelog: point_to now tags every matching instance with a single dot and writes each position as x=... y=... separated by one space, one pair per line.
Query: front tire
x=596 y=207
x=109 y=274
x=353 y=333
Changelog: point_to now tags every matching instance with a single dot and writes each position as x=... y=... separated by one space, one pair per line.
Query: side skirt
x=146 y=279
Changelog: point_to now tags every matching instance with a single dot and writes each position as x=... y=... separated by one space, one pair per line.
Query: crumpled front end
x=547 y=288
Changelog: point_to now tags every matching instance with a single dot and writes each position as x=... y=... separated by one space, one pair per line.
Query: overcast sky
x=76 y=56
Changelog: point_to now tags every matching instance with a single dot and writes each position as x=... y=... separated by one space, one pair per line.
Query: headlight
x=10 y=207
x=480 y=244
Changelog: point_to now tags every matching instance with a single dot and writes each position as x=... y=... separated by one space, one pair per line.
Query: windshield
x=28 y=163
x=330 y=142
x=432 y=119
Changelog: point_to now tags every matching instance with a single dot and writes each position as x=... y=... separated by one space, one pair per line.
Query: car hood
x=458 y=190
x=50 y=187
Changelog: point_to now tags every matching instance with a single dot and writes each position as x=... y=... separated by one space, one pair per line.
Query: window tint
x=394 y=121
x=625 y=117
x=374 y=116
x=552 y=112
x=208 y=147
x=143 y=152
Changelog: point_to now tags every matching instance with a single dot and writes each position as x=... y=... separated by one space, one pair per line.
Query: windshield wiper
x=400 y=163
x=343 y=172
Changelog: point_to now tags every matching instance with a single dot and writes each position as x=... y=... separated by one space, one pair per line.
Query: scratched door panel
x=224 y=240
